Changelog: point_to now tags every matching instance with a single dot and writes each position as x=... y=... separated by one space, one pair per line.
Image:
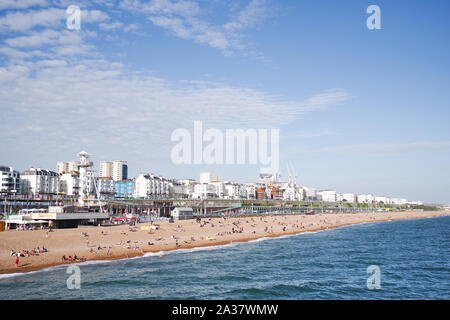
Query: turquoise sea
x=413 y=257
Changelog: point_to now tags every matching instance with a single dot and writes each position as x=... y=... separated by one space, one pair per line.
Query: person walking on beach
x=17 y=261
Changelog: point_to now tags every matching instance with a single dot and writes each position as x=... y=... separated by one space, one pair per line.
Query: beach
x=91 y=243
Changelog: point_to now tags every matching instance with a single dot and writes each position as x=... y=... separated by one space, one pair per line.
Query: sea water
x=413 y=257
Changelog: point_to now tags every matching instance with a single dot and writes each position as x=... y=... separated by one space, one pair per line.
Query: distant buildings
x=9 y=180
x=77 y=179
x=327 y=195
x=116 y=170
x=39 y=181
x=151 y=186
x=349 y=197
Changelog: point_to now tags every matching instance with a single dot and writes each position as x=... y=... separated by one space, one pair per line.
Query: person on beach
x=17 y=261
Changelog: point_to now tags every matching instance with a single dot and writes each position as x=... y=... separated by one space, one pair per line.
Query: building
x=10 y=182
x=365 y=198
x=106 y=187
x=250 y=190
x=105 y=169
x=69 y=184
x=260 y=194
x=116 y=170
x=232 y=191
x=39 y=181
x=309 y=194
x=151 y=186
x=208 y=177
x=66 y=167
x=348 y=197
x=124 y=188
x=204 y=191
x=327 y=195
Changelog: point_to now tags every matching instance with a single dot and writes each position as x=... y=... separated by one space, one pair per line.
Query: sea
x=406 y=259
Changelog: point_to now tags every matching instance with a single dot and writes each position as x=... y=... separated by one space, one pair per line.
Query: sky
x=358 y=110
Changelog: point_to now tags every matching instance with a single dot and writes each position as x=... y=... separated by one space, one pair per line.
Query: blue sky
x=359 y=110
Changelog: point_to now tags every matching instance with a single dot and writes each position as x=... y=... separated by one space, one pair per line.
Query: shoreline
x=318 y=222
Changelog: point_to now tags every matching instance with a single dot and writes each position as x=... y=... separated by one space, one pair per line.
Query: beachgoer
x=17 y=261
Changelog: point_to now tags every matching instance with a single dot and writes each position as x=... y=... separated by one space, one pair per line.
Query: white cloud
x=96 y=98
x=186 y=20
x=23 y=21
x=48 y=18
x=110 y=26
x=250 y=16
x=21 y=4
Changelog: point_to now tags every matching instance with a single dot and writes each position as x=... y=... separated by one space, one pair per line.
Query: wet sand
x=118 y=242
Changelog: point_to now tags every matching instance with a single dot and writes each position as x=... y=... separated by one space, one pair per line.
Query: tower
x=85 y=170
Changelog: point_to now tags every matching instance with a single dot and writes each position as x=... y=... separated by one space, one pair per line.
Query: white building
x=327 y=195
x=384 y=200
x=234 y=191
x=209 y=177
x=366 y=198
x=116 y=170
x=9 y=180
x=250 y=190
x=69 y=184
x=105 y=187
x=399 y=201
x=150 y=186
x=290 y=194
x=309 y=194
x=348 y=197
x=204 y=191
x=39 y=181
x=66 y=167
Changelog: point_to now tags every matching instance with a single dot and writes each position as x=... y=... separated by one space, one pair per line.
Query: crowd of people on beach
x=72 y=259
x=28 y=253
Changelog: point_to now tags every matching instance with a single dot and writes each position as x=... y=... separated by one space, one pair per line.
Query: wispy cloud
x=21 y=4
x=22 y=21
x=185 y=19
x=119 y=106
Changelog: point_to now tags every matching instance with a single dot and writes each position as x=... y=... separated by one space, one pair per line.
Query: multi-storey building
x=116 y=170
x=366 y=198
x=204 y=191
x=124 y=188
x=69 y=184
x=349 y=197
x=106 y=187
x=66 y=167
x=151 y=186
x=9 y=180
x=327 y=195
x=39 y=181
